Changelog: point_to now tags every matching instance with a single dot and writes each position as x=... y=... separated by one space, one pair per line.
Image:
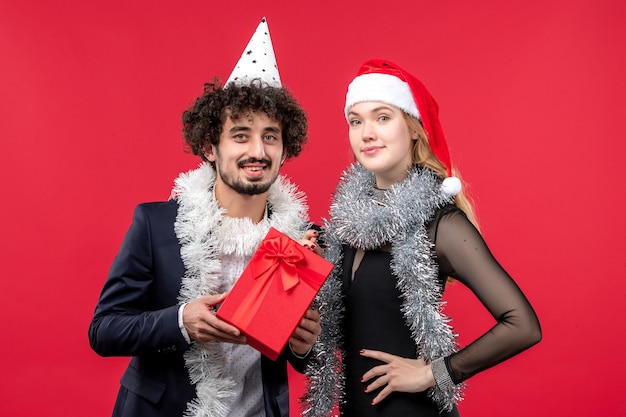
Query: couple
x=399 y=228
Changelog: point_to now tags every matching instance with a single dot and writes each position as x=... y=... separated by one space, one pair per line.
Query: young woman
x=399 y=228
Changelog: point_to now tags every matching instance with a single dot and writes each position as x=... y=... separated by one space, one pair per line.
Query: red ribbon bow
x=275 y=253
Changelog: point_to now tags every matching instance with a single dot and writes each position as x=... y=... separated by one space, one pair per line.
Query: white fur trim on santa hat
x=384 y=88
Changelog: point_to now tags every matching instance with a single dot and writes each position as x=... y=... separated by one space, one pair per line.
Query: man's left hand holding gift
x=305 y=335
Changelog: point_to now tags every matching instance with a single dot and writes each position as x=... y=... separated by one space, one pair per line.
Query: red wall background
x=532 y=96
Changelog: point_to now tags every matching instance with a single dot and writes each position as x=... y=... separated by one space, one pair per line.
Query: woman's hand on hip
x=396 y=374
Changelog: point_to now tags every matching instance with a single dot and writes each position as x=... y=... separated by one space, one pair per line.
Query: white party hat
x=258 y=60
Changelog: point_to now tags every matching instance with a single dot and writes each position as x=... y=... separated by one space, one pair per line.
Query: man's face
x=249 y=154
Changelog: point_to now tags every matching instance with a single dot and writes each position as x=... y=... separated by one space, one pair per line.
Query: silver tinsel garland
x=362 y=219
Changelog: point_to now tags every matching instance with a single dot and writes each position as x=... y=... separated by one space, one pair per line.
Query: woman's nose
x=368 y=132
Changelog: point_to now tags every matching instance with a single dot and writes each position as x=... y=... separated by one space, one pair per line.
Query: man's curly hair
x=204 y=120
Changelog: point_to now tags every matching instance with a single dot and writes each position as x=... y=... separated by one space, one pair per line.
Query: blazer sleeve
x=137 y=312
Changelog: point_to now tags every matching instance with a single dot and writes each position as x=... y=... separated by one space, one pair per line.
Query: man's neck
x=241 y=205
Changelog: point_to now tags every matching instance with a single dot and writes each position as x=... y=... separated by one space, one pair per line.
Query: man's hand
x=305 y=335
x=202 y=325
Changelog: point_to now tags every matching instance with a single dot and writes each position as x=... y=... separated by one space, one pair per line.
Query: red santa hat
x=384 y=81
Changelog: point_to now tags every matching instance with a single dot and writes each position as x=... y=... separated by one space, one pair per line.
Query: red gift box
x=274 y=291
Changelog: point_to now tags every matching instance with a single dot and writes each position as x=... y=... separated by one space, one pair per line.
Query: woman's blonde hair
x=423 y=155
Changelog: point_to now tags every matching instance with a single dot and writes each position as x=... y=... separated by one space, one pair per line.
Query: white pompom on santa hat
x=384 y=81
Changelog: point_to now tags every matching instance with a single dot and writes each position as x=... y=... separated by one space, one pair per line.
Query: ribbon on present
x=276 y=256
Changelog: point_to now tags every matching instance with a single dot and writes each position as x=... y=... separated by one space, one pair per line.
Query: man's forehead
x=249 y=116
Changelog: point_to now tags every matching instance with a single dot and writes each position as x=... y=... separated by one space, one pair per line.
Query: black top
x=374 y=320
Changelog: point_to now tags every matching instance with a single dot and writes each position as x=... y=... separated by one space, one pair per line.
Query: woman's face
x=381 y=141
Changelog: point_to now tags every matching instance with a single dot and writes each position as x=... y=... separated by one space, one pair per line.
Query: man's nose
x=256 y=148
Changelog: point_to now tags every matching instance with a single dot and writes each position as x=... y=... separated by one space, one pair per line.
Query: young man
x=180 y=257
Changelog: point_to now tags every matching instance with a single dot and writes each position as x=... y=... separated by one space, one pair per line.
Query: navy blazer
x=137 y=315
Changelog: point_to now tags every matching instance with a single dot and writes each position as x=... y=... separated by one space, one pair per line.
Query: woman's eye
x=354 y=122
x=383 y=118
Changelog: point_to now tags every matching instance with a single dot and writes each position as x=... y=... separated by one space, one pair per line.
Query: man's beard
x=247 y=188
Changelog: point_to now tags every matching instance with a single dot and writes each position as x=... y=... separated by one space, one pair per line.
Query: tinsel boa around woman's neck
x=360 y=218
x=204 y=232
